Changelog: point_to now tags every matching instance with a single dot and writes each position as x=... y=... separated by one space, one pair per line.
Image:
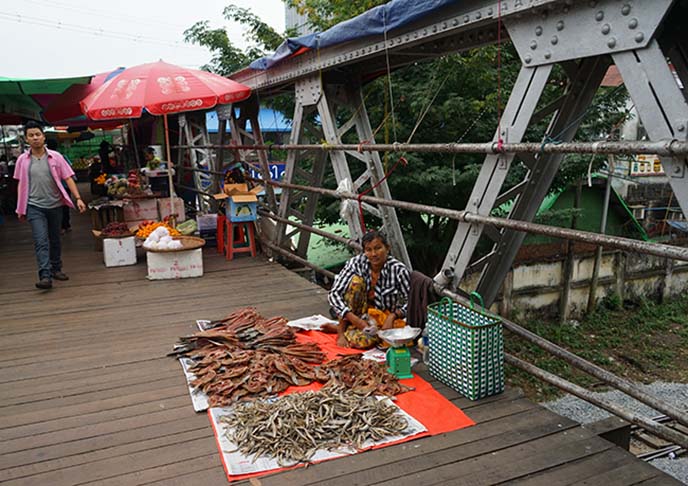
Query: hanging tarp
x=374 y=22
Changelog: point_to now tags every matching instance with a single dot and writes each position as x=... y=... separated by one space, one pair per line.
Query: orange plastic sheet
x=426 y=405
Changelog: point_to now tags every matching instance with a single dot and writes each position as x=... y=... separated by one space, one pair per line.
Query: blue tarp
x=679 y=225
x=271 y=121
x=376 y=21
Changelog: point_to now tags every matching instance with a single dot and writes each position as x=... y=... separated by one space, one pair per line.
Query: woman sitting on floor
x=372 y=286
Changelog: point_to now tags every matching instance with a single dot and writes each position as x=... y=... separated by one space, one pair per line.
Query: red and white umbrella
x=161 y=88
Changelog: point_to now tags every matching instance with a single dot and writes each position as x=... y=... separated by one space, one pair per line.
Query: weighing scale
x=398 y=355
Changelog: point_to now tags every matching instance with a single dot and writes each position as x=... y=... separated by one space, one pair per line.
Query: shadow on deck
x=88 y=395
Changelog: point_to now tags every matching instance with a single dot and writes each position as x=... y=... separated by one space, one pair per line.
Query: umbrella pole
x=173 y=217
x=133 y=139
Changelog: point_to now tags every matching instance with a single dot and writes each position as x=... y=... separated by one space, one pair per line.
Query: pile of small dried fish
x=292 y=428
x=363 y=376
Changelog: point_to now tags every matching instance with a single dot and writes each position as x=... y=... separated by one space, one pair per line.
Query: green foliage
x=226 y=57
x=448 y=99
x=645 y=342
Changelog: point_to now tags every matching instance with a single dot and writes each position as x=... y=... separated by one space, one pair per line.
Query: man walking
x=40 y=197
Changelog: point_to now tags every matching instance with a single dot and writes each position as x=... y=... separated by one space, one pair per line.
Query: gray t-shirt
x=43 y=191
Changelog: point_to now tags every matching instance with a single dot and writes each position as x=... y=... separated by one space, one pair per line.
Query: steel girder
x=661 y=106
x=192 y=132
x=566 y=33
x=465 y=25
x=312 y=93
x=238 y=116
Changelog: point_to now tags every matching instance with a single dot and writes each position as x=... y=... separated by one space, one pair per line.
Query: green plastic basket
x=466 y=348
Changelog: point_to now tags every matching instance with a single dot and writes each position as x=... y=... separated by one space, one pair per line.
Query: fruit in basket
x=116 y=230
x=145 y=229
x=188 y=227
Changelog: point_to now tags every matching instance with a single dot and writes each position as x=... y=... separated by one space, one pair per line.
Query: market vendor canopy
x=160 y=88
x=23 y=98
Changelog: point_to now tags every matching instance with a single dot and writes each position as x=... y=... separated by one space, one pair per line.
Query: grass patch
x=642 y=341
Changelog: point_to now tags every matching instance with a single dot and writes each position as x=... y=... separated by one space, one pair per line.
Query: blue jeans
x=45 y=226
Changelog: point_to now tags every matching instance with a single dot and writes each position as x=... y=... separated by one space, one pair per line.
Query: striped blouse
x=391 y=290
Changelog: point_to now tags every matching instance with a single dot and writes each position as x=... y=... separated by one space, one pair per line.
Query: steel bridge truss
x=585 y=38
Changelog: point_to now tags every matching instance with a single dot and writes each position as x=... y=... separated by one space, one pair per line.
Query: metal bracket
x=309 y=90
x=574 y=30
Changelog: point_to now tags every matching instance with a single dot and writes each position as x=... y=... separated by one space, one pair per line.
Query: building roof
x=270 y=120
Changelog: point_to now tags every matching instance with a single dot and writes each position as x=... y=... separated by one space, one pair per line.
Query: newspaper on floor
x=198 y=398
x=203 y=324
x=311 y=323
x=236 y=463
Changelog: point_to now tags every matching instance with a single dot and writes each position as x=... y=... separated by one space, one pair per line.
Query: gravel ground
x=583 y=412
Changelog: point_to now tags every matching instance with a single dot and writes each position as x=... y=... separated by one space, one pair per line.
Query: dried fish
x=292 y=428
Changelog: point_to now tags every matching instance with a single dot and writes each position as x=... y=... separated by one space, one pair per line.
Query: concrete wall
x=536 y=288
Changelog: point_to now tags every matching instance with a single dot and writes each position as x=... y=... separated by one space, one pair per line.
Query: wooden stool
x=241 y=238
x=220 y=235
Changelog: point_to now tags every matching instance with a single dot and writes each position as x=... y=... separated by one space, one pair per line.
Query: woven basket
x=466 y=348
x=189 y=242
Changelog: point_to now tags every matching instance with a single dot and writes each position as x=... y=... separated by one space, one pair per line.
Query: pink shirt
x=59 y=168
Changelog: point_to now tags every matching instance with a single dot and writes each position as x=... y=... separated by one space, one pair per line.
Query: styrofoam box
x=207 y=222
x=141 y=209
x=118 y=252
x=175 y=264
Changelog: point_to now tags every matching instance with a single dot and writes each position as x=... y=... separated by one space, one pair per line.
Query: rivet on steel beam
x=560 y=25
x=478 y=15
x=626 y=9
x=611 y=43
x=455 y=22
x=444 y=25
x=489 y=12
x=528 y=59
x=606 y=29
x=633 y=23
x=681 y=127
x=434 y=28
x=599 y=16
x=554 y=40
x=533 y=44
x=466 y=19
x=538 y=30
x=639 y=37
x=548 y=55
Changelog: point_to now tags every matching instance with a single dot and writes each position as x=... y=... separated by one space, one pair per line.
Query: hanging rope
x=401 y=161
x=427 y=109
x=389 y=75
x=466 y=132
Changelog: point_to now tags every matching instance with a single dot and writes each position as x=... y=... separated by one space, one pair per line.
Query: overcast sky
x=57 y=38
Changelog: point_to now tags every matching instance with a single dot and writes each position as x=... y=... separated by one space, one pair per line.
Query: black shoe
x=60 y=276
x=44 y=284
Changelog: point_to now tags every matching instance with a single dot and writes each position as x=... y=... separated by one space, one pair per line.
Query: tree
x=226 y=57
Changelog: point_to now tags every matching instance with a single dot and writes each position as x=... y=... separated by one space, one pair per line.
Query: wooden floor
x=88 y=396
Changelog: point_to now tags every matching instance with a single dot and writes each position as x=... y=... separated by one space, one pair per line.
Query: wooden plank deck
x=88 y=396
